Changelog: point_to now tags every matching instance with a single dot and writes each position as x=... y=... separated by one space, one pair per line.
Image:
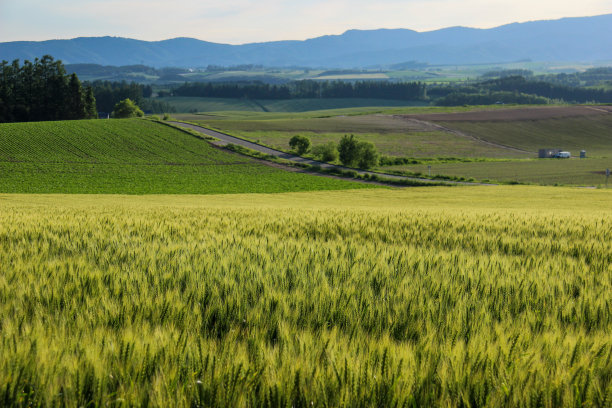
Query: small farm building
x=548 y=153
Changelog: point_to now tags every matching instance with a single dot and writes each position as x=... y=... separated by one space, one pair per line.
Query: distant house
x=103 y=115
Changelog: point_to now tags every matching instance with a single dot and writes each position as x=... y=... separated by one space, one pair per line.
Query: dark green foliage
x=368 y=155
x=504 y=73
x=355 y=153
x=592 y=77
x=109 y=93
x=127 y=109
x=233 y=90
x=42 y=91
x=301 y=144
x=90 y=103
x=327 y=152
x=490 y=98
x=348 y=150
x=521 y=90
x=76 y=99
x=306 y=89
x=549 y=90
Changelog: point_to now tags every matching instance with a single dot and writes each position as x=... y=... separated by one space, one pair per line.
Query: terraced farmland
x=133 y=157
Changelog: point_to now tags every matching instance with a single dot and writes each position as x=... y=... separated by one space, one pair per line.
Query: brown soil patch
x=509 y=115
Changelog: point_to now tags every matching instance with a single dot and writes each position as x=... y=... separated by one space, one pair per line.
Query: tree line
x=592 y=77
x=515 y=89
x=350 y=151
x=108 y=94
x=42 y=91
x=506 y=89
x=549 y=90
x=305 y=89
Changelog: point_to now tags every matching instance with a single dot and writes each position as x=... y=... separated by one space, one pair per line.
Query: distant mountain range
x=583 y=39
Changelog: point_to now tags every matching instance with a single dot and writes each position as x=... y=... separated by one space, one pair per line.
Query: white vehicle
x=563 y=155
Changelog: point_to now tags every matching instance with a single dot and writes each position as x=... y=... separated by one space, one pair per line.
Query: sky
x=245 y=21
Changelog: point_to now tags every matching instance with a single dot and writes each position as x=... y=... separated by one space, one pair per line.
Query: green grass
x=395 y=136
x=354 y=77
x=486 y=296
x=391 y=135
x=228 y=115
x=412 y=144
x=587 y=172
x=191 y=104
x=592 y=133
x=134 y=157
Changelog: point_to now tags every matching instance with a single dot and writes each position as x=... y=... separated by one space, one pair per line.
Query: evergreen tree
x=90 y=104
x=41 y=91
x=76 y=99
x=348 y=150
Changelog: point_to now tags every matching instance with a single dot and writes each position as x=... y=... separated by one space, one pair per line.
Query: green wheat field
x=450 y=297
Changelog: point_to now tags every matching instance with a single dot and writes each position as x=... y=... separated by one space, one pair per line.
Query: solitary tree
x=127 y=109
x=348 y=150
x=368 y=155
x=301 y=144
x=355 y=153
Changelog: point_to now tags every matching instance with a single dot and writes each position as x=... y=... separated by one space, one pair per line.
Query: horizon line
x=309 y=38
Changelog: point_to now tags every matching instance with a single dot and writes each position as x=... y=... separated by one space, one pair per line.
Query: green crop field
x=593 y=133
x=415 y=132
x=465 y=296
x=239 y=115
x=134 y=157
x=195 y=104
x=413 y=144
x=392 y=135
x=589 y=172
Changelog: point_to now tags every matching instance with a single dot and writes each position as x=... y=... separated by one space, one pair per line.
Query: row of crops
x=109 y=141
x=120 y=302
x=133 y=157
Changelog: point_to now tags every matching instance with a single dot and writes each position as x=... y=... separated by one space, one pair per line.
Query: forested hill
x=584 y=39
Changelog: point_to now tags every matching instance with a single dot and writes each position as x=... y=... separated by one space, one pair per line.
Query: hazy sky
x=241 y=21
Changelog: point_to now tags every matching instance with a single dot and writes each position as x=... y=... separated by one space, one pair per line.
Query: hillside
x=133 y=157
x=585 y=39
x=495 y=143
x=570 y=128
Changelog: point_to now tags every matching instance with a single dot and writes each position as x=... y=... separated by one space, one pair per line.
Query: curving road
x=225 y=139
